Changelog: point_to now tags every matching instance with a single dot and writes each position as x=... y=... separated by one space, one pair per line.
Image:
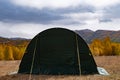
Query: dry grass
x=110 y=63
x=7 y=67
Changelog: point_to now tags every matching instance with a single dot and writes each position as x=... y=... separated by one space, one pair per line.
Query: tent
x=58 y=51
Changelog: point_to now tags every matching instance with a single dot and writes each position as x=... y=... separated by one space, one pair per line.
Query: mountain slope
x=86 y=34
x=13 y=41
x=100 y=34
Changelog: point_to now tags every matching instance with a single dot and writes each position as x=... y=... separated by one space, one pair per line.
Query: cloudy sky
x=26 y=18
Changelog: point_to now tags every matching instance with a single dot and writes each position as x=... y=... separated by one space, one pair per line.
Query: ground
x=110 y=63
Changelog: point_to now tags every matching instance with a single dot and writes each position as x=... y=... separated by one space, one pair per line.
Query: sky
x=26 y=18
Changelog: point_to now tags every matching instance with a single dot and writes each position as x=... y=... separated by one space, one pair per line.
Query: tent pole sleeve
x=78 y=54
x=33 y=58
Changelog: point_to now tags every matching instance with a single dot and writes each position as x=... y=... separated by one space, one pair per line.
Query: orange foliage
x=10 y=51
x=104 y=47
x=15 y=51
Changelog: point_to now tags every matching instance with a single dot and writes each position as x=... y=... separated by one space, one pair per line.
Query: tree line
x=104 y=46
x=98 y=47
x=9 y=51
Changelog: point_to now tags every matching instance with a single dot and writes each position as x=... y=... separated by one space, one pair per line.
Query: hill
x=89 y=35
x=86 y=34
x=13 y=41
x=2 y=40
x=15 y=47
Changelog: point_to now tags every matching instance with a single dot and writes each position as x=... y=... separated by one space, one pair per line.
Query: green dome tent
x=58 y=51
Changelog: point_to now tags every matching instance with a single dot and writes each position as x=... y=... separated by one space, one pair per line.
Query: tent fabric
x=58 y=51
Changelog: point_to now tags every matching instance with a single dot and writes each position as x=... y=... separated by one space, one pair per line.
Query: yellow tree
x=96 y=47
x=16 y=52
x=22 y=51
x=1 y=52
x=8 y=53
x=116 y=48
x=107 y=46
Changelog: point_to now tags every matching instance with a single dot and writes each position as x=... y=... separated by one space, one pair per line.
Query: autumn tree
x=16 y=53
x=96 y=47
x=107 y=46
x=1 y=52
x=116 y=48
x=104 y=47
x=8 y=53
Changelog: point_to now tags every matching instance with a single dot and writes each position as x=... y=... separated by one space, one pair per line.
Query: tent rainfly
x=58 y=51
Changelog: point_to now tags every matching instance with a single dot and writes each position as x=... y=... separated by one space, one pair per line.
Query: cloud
x=101 y=3
x=112 y=12
x=85 y=18
x=26 y=18
x=55 y=4
x=58 y=12
x=105 y=20
x=73 y=13
x=26 y=30
x=12 y=13
x=29 y=30
x=17 y=14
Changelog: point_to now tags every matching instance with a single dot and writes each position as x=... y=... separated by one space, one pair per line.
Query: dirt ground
x=110 y=63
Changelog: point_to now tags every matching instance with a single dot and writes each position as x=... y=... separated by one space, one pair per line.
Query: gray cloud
x=13 y=13
x=112 y=12
x=77 y=9
x=105 y=20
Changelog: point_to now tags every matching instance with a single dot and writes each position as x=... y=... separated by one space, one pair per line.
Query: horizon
x=26 y=18
x=49 y=28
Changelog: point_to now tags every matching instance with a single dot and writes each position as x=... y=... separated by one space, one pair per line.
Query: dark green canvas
x=58 y=51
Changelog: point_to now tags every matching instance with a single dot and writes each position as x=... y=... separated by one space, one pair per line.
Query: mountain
x=86 y=34
x=89 y=35
x=2 y=40
x=13 y=41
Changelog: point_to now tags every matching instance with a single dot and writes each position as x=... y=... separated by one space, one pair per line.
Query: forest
x=13 y=50
x=104 y=47
x=99 y=47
